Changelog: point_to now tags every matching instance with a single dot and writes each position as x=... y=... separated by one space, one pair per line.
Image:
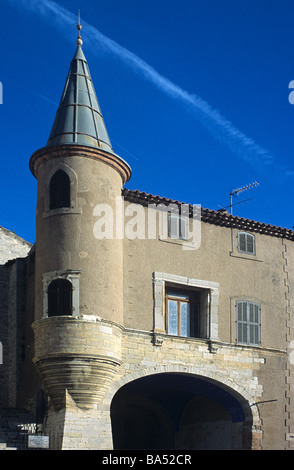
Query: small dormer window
x=246 y=243
x=59 y=189
x=177 y=227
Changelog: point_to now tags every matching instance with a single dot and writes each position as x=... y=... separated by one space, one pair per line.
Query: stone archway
x=180 y=411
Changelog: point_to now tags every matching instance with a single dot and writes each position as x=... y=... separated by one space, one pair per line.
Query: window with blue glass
x=182 y=317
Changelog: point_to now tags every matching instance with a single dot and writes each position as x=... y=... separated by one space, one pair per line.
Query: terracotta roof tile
x=221 y=218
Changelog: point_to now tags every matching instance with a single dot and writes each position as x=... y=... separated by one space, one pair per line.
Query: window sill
x=160 y=336
x=62 y=211
x=252 y=257
x=177 y=241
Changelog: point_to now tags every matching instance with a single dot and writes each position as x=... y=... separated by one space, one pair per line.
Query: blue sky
x=194 y=94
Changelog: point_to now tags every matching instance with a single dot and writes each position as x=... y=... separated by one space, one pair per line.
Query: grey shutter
x=242 y=241
x=184 y=221
x=246 y=243
x=248 y=322
x=250 y=243
x=173 y=226
x=254 y=323
x=242 y=322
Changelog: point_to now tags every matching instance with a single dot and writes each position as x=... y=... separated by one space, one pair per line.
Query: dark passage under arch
x=178 y=411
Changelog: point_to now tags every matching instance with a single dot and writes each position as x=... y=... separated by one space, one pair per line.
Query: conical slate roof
x=79 y=119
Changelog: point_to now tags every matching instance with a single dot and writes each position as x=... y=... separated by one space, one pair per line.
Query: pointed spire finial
x=79 y=41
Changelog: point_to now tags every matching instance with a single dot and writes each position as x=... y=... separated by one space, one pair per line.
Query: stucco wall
x=258 y=278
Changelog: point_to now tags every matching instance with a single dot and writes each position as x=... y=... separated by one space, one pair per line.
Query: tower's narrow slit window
x=59 y=298
x=59 y=189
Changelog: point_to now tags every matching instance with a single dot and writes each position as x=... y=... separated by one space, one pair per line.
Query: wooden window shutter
x=173 y=226
x=246 y=243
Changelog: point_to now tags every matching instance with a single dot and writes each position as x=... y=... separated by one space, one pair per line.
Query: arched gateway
x=180 y=411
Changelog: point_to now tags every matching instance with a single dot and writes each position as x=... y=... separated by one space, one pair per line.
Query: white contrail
x=221 y=129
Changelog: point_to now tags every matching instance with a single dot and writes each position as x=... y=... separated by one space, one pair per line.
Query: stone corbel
x=157 y=340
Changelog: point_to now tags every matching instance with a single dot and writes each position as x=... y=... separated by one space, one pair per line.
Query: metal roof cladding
x=79 y=119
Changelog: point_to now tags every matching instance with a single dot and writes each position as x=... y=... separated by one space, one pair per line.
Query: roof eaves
x=220 y=218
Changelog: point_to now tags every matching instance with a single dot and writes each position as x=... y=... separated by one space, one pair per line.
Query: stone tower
x=142 y=343
x=78 y=289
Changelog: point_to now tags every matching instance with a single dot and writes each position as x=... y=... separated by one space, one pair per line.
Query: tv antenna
x=235 y=193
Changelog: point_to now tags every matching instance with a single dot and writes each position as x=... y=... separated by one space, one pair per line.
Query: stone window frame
x=159 y=287
x=71 y=275
x=73 y=209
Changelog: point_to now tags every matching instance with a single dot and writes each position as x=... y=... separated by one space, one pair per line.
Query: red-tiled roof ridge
x=222 y=218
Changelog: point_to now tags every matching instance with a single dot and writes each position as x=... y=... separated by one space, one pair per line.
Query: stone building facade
x=145 y=323
x=13 y=260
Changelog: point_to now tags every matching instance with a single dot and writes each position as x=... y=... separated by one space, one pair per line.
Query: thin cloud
x=220 y=128
x=40 y=95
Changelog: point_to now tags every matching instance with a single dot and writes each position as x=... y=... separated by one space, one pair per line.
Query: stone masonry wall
x=12 y=246
x=13 y=251
x=4 y=301
x=12 y=310
x=236 y=367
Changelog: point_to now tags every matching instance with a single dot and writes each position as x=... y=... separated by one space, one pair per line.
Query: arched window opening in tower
x=59 y=298
x=59 y=189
